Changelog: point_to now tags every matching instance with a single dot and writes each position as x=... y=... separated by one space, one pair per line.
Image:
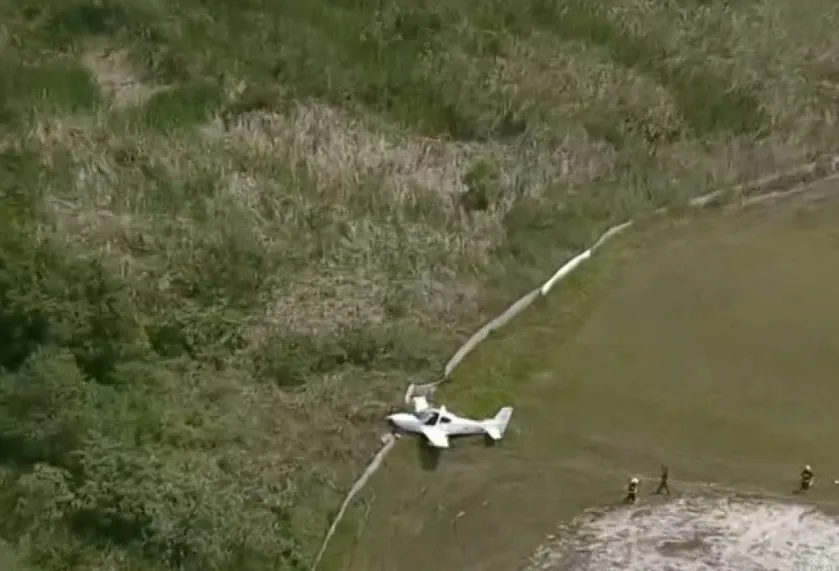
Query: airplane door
x=446 y=421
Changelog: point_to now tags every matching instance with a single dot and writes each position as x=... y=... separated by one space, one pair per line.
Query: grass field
x=230 y=233
x=708 y=344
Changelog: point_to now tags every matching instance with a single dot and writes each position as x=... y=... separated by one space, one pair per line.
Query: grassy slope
x=706 y=344
x=299 y=205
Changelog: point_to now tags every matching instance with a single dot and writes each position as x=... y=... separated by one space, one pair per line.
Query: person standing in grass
x=806 y=478
x=663 y=487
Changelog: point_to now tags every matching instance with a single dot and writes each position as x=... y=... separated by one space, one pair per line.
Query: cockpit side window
x=432 y=420
x=445 y=420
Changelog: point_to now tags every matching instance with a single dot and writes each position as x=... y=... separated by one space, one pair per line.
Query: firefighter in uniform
x=632 y=491
x=806 y=478
x=663 y=487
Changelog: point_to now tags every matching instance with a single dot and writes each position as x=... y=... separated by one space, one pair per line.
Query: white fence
x=796 y=180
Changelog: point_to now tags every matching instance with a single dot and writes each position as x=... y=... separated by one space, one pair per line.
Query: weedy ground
x=234 y=231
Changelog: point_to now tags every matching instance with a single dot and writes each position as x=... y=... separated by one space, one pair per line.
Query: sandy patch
x=697 y=534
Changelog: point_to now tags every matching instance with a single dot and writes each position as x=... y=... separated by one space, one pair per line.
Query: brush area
x=231 y=233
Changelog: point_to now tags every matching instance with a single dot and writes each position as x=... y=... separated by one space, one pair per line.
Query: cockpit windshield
x=424 y=414
x=432 y=419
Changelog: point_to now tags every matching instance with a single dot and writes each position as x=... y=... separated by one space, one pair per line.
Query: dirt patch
x=698 y=534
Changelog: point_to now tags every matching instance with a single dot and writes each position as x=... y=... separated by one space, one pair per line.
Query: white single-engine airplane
x=437 y=424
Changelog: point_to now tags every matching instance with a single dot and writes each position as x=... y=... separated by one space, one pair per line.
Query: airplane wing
x=420 y=404
x=436 y=437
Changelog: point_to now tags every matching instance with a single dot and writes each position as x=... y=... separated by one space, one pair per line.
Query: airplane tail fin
x=497 y=426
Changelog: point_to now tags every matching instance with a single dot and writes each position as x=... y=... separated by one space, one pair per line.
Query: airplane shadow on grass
x=430 y=456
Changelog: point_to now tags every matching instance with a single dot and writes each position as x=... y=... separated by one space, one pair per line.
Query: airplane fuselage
x=450 y=424
x=437 y=424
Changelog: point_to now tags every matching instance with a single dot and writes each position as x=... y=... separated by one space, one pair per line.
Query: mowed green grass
x=709 y=344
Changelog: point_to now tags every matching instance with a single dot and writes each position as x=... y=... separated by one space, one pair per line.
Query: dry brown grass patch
x=117 y=77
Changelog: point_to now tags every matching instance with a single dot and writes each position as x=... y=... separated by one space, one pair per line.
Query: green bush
x=94 y=452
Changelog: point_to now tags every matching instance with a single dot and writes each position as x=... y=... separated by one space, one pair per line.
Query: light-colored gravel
x=697 y=534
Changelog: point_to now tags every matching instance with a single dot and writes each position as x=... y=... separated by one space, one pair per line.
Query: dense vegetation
x=97 y=451
x=231 y=232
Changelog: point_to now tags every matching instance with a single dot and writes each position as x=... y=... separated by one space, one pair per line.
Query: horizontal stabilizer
x=497 y=426
x=493 y=432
